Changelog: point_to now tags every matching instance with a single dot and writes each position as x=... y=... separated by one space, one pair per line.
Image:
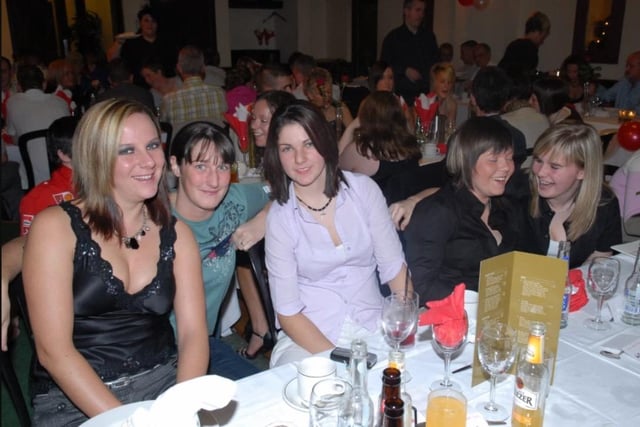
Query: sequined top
x=118 y=333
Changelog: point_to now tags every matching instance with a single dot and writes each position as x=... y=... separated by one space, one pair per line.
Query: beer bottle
x=532 y=375
x=396 y=360
x=393 y=413
x=390 y=390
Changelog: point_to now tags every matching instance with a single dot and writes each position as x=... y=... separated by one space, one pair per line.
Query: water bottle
x=631 y=314
x=361 y=405
x=564 y=249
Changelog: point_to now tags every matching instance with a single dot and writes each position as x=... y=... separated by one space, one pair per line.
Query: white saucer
x=290 y=395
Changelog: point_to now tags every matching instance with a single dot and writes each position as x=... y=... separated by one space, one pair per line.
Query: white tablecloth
x=589 y=389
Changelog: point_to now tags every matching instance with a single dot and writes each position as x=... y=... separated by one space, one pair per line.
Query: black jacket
x=446 y=240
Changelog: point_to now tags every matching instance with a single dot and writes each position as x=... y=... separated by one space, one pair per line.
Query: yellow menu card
x=518 y=288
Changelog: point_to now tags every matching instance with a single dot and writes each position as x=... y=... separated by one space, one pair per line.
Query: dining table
x=589 y=389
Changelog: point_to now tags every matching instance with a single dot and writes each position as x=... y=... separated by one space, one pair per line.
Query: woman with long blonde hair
x=103 y=272
x=569 y=201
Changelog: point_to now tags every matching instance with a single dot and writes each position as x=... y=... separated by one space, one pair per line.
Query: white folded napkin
x=179 y=405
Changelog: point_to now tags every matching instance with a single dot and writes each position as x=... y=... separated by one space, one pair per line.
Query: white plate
x=290 y=395
x=128 y=35
x=629 y=249
x=116 y=416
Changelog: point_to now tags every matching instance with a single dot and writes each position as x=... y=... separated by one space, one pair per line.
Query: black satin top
x=118 y=333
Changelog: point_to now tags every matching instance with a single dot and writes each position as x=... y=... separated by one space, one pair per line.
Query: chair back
x=33 y=150
x=11 y=230
x=258 y=265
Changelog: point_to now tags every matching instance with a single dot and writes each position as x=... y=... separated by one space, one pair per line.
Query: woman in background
x=103 y=272
x=329 y=236
x=381 y=79
x=318 y=89
x=568 y=198
x=443 y=77
x=551 y=98
x=381 y=146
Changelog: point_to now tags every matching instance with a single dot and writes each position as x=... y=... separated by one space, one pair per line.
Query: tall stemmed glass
x=399 y=316
x=448 y=338
x=602 y=282
x=497 y=346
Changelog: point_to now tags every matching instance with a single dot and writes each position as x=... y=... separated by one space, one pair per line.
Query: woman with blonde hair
x=61 y=79
x=569 y=201
x=443 y=78
x=103 y=272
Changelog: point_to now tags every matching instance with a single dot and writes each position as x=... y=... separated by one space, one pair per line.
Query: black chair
x=256 y=257
x=9 y=377
x=24 y=142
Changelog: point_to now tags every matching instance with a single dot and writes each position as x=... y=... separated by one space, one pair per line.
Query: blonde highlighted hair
x=443 y=67
x=94 y=152
x=579 y=144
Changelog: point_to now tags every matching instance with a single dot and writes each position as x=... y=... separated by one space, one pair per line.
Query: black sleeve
x=432 y=226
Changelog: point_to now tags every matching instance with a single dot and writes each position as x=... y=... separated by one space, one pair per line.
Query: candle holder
x=626 y=115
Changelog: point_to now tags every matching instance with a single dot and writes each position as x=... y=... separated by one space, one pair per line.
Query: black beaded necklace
x=316 y=209
x=132 y=242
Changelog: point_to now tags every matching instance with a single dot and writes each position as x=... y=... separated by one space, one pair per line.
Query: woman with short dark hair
x=467 y=220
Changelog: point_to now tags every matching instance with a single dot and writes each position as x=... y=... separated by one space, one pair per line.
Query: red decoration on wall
x=465 y=3
x=629 y=135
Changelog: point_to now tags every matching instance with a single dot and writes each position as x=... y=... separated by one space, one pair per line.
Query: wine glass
x=399 y=316
x=497 y=346
x=602 y=282
x=448 y=338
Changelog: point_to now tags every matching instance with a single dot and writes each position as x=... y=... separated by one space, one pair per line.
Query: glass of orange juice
x=446 y=407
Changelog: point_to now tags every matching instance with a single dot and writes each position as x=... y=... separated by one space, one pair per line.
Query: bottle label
x=535 y=350
x=632 y=304
x=526 y=398
x=565 y=300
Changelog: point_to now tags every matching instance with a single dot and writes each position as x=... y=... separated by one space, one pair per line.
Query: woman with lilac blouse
x=327 y=236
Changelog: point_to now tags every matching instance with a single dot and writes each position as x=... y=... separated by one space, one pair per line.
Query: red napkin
x=426 y=108
x=579 y=294
x=447 y=314
x=240 y=125
x=449 y=308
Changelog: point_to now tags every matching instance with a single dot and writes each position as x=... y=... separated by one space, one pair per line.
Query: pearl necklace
x=321 y=210
x=132 y=242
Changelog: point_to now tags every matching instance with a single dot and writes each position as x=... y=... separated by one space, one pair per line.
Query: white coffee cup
x=471 y=307
x=310 y=371
x=430 y=149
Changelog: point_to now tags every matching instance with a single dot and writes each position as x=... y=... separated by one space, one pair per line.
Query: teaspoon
x=611 y=354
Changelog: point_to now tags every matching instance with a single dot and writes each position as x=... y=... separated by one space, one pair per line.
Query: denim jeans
x=224 y=361
x=54 y=408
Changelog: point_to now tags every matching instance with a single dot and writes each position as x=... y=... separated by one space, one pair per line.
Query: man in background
x=625 y=93
x=195 y=100
x=121 y=81
x=523 y=53
x=411 y=51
